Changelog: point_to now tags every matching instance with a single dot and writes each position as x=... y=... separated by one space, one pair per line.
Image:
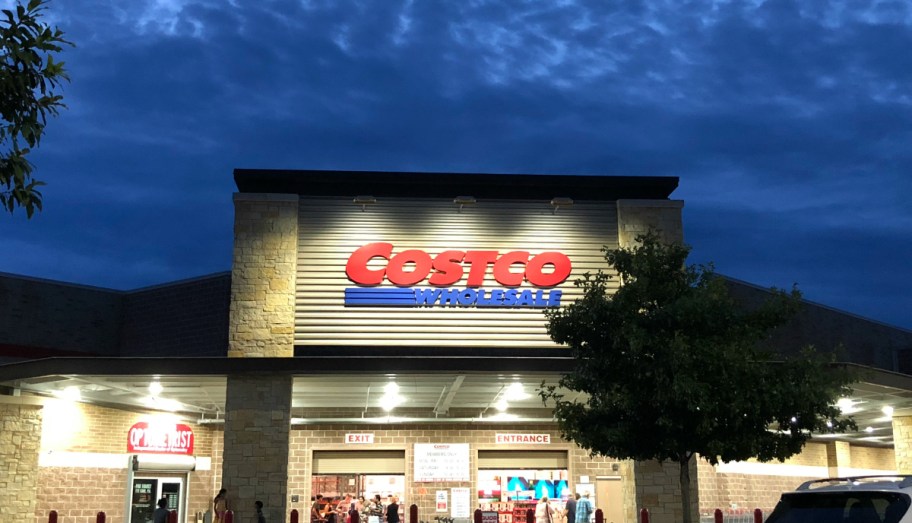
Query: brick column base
x=20 y=440
x=255 y=459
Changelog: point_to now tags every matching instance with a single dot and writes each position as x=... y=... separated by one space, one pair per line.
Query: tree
x=671 y=368
x=29 y=76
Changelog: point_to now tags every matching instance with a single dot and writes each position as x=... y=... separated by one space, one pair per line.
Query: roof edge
x=426 y=184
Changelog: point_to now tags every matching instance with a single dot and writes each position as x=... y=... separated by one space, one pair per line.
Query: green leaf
x=27 y=80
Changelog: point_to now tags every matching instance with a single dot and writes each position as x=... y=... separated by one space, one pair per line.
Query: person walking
x=392 y=510
x=543 y=511
x=375 y=510
x=220 y=506
x=259 y=511
x=361 y=507
x=161 y=513
x=570 y=508
x=344 y=508
x=316 y=510
x=583 y=509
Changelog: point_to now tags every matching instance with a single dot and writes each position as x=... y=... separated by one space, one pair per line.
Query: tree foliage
x=29 y=78
x=671 y=367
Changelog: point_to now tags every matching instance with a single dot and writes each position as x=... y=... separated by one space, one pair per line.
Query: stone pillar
x=839 y=458
x=636 y=217
x=255 y=454
x=20 y=441
x=658 y=489
x=261 y=321
x=902 y=441
x=261 y=324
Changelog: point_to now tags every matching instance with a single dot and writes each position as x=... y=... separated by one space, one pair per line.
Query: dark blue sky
x=789 y=124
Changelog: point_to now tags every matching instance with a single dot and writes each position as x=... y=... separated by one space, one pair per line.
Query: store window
x=364 y=473
x=511 y=482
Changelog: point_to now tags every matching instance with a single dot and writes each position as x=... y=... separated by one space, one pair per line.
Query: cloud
x=786 y=122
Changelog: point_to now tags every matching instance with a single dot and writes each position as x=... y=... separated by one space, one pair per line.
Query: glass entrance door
x=145 y=493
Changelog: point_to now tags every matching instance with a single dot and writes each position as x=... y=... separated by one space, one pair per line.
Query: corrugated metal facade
x=330 y=229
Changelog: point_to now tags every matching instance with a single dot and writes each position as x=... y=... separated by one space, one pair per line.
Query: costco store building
x=379 y=333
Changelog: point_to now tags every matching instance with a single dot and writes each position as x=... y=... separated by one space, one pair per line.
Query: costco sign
x=441 y=271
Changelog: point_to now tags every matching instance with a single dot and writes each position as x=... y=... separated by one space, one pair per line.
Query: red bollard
x=52 y=517
x=717 y=516
x=172 y=516
x=413 y=514
x=100 y=518
x=758 y=515
x=477 y=516
x=644 y=515
x=229 y=517
x=294 y=516
x=599 y=516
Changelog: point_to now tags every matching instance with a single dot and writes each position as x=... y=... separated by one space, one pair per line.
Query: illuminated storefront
x=385 y=335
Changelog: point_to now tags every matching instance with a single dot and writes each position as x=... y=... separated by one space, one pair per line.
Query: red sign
x=448 y=267
x=162 y=438
x=528 y=439
x=367 y=437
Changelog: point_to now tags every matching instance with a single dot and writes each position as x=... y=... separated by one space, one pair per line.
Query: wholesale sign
x=442 y=271
x=162 y=438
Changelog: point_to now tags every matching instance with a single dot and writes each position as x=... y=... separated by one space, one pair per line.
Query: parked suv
x=862 y=499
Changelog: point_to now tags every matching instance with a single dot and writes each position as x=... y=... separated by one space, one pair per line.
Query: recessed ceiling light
x=155 y=388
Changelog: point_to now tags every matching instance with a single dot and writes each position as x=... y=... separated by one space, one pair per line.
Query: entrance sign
x=163 y=438
x=523 y=439
x=413 y=266
x=441 y=462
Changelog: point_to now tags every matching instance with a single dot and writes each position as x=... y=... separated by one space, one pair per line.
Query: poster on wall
x=142 y=502
x=461 y=502
x=441 y=462
x=442 y=505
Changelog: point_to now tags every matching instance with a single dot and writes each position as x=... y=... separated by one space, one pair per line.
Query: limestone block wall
x=658 y=489
x=636 y=217
x=749 y=485
x=874 y=458
x=902 y=438
x=737 y=493
x=261 y=322
x=256 y=442
x=20 y=438
x=305 y=439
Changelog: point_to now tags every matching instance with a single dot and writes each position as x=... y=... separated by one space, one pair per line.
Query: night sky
x=790 y=126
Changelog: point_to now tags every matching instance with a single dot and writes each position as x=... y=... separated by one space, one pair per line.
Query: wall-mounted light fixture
x=560 y=201
x=364 y=200
x=71 y=393
x=462 y=201
x=155 y=388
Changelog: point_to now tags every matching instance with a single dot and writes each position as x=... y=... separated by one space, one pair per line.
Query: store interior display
x=511 y=493
x=334 y=486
